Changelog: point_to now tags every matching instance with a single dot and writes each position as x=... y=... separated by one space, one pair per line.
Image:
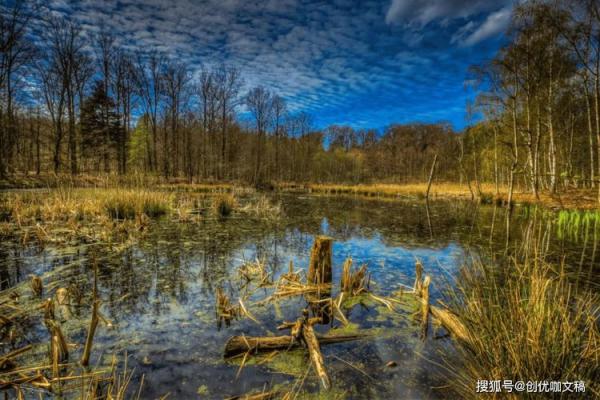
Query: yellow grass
x=574 y=198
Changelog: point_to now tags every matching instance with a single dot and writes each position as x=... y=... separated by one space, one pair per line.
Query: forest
x=77 y=102
x=176 y=228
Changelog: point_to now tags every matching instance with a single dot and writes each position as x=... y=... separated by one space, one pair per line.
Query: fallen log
x=238 y=345
x=314 y=350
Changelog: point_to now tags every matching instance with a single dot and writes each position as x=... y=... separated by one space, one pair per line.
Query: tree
x=16 y=52
x=99 y=121
x=66 y=45
x=260 y=104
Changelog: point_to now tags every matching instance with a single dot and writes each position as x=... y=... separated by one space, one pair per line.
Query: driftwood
x=314 y=350
x=320 y=273
x=237 y=345
x=303 y=330
x=446 y=318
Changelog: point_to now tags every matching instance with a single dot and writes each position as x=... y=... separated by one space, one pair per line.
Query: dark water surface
x=159 y=294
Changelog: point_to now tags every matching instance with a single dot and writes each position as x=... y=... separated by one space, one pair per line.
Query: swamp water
x=159 y=293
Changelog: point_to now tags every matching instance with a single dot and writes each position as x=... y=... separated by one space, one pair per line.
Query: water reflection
x=159 y=294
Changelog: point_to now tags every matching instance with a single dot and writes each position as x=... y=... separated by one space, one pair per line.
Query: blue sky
x=362 y=63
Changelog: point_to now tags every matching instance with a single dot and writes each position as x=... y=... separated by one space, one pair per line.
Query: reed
x=528 y=324
x=224 y=204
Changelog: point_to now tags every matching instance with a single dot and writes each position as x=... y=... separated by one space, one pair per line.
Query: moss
x=203 y=390
x=293 y=362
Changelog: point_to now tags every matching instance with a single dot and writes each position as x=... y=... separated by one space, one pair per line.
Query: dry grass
x=263 y=207
x=573 y=198
x=530 y=325
x=224 y=204
x=59 y=215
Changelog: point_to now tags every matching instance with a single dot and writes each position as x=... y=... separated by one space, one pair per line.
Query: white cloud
x=494 y=24
x=424 y=11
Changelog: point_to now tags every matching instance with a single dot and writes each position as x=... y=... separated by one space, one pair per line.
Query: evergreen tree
x=101 y=129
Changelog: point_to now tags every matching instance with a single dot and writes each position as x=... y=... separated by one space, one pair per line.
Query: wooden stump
x=319 y=267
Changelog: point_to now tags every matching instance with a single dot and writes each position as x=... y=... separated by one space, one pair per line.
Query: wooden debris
x=353 y=282
x=319 y=267
x=291 y=276
x=256 y=271
x=303 y=330
x=445 y=317
x=238 y=345
x=314 y=350
x=425 y=307
x=6 y=360
x=418 y=278
x=293 y=288
x=63 y=303
x=36 y=285
x=225 y=310
x=59 y=352
x=85 y=358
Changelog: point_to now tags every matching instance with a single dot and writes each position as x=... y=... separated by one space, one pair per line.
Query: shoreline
x=574 y=199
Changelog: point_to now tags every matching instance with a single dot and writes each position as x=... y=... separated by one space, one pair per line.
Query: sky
x=364 y=63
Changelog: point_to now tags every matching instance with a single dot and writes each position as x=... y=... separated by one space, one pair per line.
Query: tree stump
x=319 y=267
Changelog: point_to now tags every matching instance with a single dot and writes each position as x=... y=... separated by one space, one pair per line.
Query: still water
x=159 y=293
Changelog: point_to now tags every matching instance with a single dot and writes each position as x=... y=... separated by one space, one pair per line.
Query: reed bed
x=60 y=215
x=528 y=324
x=485 y=192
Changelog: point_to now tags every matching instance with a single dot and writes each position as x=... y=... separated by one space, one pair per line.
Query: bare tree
x=16 y=52
x=175 y=89
x=228 y=83
x=279 y=111
x=149 y=84
x=124 y=82
x=260 y=104
x=66 y=45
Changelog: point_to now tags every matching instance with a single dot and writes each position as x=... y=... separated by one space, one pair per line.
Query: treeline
x=77 y=102
x=73 y=101
x=541 y=101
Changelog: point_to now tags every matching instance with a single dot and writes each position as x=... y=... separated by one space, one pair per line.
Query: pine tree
x=101 y=129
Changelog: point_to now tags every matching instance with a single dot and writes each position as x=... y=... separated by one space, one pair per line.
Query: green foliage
x=138 y=145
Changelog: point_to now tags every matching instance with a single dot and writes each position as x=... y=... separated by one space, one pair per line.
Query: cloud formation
x=343 y=61
x=425 y=11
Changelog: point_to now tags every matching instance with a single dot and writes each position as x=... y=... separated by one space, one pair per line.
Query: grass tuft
x=528 y=325
x=224 y=204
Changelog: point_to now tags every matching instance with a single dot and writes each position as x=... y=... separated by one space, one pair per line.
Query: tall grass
x=528 y=324
x=65 y=204
x=575 y=224
x=223 y=204
x=129 y=204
